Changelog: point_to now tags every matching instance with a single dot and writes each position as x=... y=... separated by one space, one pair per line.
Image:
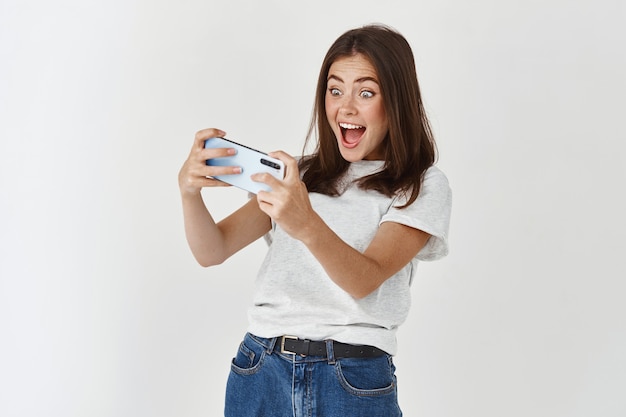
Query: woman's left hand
x=288 y=203
x=357 y=273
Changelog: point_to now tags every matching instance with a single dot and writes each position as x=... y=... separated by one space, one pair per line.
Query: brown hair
x=410 y=147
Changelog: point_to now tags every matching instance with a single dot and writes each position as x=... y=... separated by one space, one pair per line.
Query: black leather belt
x=303 y=347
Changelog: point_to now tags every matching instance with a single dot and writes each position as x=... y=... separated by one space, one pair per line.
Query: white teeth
x=350 y=126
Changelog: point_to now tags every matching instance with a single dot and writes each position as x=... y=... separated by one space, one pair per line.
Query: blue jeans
x=266 y=383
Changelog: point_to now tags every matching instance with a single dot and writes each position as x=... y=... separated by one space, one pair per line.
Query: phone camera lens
x=270 y=163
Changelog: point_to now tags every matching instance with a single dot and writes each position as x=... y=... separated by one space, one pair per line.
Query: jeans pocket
x=367 y=377
x=249 y=359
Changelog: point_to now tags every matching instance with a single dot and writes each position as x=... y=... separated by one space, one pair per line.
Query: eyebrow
x=358 y=80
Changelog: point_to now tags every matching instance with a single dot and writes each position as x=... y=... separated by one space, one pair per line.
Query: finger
x=291 y=165
x=263 y=199
x=205 y=134
x=212 y=182
x=262 y=196
x=212 y=153
x=212 y=171
x=266 y=178
x=201 y=182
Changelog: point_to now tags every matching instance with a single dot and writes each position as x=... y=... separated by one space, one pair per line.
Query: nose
x=348 y=106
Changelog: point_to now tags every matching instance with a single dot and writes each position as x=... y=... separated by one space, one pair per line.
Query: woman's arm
x=212 y=243
x=359 y=274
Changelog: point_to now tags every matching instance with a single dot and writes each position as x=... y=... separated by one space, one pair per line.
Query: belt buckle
x=282 y=345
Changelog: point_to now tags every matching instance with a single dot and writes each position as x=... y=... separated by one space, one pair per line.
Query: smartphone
x=251 y=162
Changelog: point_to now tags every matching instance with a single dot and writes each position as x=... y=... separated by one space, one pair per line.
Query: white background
x=103 y=311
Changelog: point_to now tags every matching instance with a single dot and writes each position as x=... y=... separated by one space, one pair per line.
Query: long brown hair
x=410 y=147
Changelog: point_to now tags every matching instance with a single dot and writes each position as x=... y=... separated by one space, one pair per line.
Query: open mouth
x=351 y=134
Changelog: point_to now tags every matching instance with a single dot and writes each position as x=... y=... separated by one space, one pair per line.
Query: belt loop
x=330 y=352
x=270 y=348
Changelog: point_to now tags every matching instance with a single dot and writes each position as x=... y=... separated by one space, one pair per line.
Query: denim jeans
x=266 y=383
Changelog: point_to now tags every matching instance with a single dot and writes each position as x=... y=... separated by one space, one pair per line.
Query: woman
x=347 y=226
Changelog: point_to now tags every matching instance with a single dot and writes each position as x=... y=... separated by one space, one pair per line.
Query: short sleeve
x=430 y=212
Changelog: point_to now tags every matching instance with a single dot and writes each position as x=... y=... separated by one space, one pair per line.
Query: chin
x=350 y=156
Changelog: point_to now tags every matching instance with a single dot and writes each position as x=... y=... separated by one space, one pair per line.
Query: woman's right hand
x=194 y=174
x=212 y=243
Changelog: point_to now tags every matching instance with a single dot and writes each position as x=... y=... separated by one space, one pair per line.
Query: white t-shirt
x=294 y=295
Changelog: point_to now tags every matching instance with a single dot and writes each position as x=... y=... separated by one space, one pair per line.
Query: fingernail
x=232 y=151
x=238 y=170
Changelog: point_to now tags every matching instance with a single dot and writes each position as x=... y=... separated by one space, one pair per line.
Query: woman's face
x=354 y=108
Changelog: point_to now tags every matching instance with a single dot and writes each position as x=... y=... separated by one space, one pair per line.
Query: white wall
x=103 y=311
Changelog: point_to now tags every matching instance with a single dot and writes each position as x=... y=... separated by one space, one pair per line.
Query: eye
x=366 y=94
x=334 y=91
